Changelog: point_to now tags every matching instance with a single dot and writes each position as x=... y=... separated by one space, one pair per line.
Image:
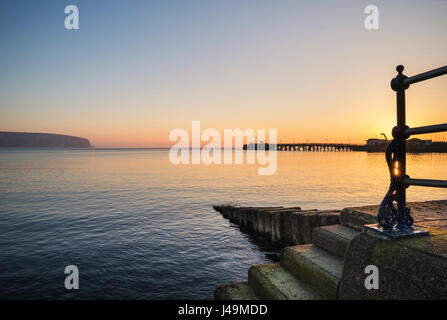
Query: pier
x=372 y=145
x=306 y=147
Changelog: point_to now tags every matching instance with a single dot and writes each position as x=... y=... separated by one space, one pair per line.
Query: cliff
x=41 y=140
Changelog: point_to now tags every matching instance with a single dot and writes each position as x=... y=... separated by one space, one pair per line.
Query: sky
x=136 y=70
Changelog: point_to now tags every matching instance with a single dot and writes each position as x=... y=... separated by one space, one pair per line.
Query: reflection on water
x=139 y=227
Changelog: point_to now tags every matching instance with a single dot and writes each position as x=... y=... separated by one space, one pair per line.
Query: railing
x=389 y=217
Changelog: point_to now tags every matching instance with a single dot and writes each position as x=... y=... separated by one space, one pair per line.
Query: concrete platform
x=412 y=268
x=424 y=213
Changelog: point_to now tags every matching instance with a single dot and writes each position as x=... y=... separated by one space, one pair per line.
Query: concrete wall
x=408 y=269
x=283 y=226
x=412 y=268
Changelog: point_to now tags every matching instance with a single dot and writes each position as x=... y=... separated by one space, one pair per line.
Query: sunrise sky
x=135 y=70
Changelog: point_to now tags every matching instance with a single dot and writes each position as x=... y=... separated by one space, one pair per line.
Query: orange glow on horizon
x=313 y=76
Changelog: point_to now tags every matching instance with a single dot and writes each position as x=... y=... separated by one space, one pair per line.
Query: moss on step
x=272 y=282
x=318 y=269
x=235 y=291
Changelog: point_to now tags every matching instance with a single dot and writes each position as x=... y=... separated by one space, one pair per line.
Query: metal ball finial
x=398 y=83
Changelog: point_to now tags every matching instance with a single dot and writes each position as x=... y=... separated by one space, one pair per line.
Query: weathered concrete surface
x=334 y=239
x=284 y=226
x=235 y=291
x=412 y=268
x=421 y=211
x=318 y=269
x=273 y=282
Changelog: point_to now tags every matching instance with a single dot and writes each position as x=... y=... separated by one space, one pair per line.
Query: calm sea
x=138 y=227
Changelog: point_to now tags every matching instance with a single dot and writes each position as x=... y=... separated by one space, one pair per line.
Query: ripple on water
x=139 y=228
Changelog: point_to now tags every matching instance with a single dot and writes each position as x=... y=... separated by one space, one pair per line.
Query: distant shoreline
x=41 y=140
x=3 y=149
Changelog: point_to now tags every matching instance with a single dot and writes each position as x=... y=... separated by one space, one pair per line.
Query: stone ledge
x=421 y=211
x=408 y=269
x=284 y=226
x=412 y=268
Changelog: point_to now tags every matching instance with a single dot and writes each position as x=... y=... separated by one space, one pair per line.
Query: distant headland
x=41 y=140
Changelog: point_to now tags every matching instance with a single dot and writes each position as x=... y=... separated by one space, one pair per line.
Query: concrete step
x=235 y=291
x=334 y=239
x=273 y=282
x=318 y=269
x=357 y=217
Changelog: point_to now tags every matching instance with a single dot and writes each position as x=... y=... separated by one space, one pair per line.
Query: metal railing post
x=398 y=84
x=398 y=222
